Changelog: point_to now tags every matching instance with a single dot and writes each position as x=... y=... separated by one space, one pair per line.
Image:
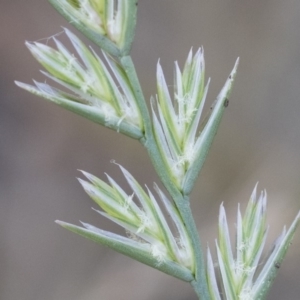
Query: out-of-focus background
x=42 y=146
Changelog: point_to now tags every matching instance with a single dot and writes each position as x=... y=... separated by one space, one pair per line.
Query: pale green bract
x=177 y=138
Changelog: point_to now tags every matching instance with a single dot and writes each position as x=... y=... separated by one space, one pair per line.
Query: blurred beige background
x=42 y=146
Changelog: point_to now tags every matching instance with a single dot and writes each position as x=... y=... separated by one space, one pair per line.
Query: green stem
x=200 y=283
x=148 y=140
x=182 y=202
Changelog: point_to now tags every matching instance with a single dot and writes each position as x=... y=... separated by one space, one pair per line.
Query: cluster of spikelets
x=112 y=21
x=176 y=125
x=151 y=240
x=101 y=16
x=149 y=235
x=246 y=276
x=92 y=91
x=107 y=92
x=109 y=99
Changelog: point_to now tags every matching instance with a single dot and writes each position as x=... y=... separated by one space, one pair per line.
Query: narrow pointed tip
x=254 y=193
x=86 y=225
x=222 y=213
x=190 y=54
x=123 y=170
x=28 y=44
x=102 y=213
x=84 y=173
x=198 y=51
x=159 y=70
x=208 y=253
x=25 y=86
x=155 y=186
x=87 y=186
x=217 y=244
x=81 y=181
x=32 y=47
x=152 y=101
x=68 y=32
x=264 y=200
x=121 y=167
x=236 y=63
x=61 y=223
x=296 y=221
x=233 y=72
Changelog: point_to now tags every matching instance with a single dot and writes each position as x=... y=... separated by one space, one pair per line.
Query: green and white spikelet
x=176 y=123
x=245 y=276
x=92 y=90
x=150 y=239
x=110 y=24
